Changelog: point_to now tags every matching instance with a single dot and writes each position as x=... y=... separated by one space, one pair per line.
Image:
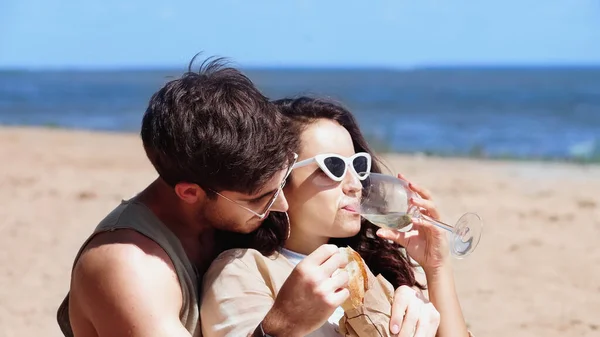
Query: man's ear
x=189 y=193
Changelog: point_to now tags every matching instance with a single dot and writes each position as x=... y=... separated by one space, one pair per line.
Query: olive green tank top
x=136 y=216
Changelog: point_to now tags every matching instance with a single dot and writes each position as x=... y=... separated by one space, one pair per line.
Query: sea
x=494 y=112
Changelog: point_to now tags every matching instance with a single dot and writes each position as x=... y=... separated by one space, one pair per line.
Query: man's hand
x=310 y=294
x=412 y=314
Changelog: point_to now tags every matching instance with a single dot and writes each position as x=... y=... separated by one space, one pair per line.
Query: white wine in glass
x=385 y=203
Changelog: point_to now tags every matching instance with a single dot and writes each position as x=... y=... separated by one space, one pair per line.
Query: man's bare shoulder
x=123 y=278
x=122 y=250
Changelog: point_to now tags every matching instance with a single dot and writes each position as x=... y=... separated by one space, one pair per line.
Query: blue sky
x=399 y=33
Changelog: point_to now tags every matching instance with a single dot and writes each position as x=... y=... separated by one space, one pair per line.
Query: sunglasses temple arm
x=303 y=163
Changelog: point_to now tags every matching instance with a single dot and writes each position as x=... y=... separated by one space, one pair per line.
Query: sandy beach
x=536 y=271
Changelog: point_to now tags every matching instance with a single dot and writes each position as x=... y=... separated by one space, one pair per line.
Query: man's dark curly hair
x=215 y=128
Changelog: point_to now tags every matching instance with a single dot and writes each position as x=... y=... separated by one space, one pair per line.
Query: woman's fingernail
x=395 y=329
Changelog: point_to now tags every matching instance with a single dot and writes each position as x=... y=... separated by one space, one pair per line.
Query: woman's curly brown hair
x=382 y=256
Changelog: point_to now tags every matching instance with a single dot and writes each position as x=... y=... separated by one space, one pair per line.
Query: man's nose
x=281 y=204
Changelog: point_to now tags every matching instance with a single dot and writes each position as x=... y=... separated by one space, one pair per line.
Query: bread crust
x=358 y=282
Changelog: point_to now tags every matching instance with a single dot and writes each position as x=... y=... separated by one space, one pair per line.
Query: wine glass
x=385 y=203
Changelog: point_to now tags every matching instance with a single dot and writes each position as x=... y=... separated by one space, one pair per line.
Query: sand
x=536 y=271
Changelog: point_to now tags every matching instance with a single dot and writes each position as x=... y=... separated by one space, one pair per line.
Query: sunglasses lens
x=336 y=166
x=361 y=166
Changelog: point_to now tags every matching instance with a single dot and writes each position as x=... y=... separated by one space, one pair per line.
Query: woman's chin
x=349 y=228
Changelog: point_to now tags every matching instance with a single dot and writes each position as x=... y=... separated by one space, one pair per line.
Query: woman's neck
x=304 y=243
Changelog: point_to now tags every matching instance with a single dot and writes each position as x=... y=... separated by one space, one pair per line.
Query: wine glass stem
x=438 y=223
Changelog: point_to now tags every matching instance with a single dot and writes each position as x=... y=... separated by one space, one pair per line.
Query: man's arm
x=124 y=284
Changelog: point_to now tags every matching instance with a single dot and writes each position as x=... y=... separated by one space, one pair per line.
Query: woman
x=322 y=209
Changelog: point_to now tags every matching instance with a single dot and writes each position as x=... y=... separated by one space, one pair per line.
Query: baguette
x=358 y=282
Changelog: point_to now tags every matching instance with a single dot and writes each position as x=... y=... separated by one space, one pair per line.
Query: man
x=221 y=153
x=215 y=142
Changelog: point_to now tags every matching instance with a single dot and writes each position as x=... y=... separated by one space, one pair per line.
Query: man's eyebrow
x=266 y=194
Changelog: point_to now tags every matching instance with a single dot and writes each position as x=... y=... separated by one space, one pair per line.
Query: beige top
x=136 y=216
x=239 y=289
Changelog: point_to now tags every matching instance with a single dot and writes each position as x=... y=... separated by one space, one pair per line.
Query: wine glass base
x=466 y=235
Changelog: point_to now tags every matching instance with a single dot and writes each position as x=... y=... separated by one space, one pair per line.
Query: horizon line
x=449 y=66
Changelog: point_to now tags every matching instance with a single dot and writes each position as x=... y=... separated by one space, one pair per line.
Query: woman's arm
x=428 y=245
x=235 y=298
x=442 y=293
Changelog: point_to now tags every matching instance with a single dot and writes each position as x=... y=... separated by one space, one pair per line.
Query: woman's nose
x=351 y=183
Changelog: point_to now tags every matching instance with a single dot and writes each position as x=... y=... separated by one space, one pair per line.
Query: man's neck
x=197 y=240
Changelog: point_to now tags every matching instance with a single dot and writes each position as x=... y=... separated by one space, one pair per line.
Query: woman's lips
x=350 y=208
